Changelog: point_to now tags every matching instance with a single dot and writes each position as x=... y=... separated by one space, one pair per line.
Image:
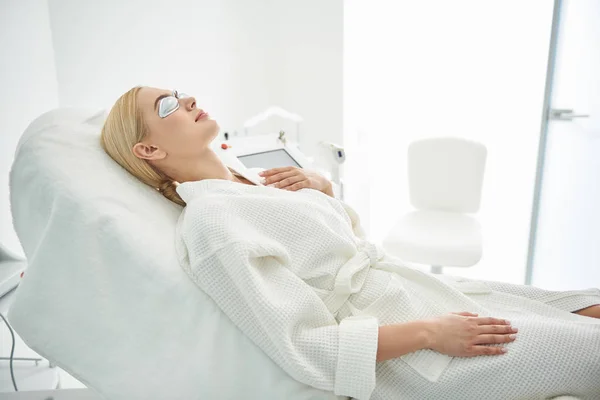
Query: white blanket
x=292 y=271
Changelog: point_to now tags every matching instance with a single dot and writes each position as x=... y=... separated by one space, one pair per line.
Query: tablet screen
x=269 y=159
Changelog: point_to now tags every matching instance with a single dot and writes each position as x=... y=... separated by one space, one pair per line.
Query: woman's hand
x=293 y=178
x=465 y=335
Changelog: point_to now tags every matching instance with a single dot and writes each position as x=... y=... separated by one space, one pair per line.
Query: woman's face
x=176 y=127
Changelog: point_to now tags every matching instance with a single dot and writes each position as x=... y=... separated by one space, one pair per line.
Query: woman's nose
x=190 y=103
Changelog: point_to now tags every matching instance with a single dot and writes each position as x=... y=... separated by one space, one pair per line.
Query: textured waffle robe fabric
x=295 y=273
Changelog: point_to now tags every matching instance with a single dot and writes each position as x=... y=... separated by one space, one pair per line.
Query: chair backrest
x=446 y=174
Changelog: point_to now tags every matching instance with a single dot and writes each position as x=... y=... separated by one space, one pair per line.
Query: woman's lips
x=201 y=115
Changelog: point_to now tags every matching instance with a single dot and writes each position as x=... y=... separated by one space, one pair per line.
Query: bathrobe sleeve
x=249 y=281
x=355 y=220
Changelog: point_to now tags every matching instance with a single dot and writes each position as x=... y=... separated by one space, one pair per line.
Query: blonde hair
x=124 y=127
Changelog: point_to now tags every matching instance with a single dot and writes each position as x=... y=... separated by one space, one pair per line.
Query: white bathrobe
x=293 y=271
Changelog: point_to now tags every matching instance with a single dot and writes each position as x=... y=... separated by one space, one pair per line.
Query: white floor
x=68 y=382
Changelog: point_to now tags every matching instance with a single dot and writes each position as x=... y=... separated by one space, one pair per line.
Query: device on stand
x=275 y=150
x=337 y=157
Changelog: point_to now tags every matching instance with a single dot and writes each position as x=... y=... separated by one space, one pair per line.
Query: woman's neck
x=208 y=166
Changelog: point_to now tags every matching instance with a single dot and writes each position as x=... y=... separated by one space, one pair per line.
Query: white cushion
x=104 y=296
x=436 y=238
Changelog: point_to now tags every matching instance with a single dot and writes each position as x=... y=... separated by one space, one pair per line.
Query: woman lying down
x=288 y=264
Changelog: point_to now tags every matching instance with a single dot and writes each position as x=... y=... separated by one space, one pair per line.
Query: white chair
x=445 y=177
x=104 y=297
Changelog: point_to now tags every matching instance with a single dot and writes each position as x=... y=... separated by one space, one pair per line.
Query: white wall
x=29 y=88
x=217 y=51
x=436 y=68
x=237 y=57
x=309 y=59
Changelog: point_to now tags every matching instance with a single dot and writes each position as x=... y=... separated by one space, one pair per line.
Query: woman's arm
x=400 y=339
x=462 y=335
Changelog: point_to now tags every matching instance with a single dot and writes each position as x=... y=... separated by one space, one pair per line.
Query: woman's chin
x=214 y=127
x=209 y=129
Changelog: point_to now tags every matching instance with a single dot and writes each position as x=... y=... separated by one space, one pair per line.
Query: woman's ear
x=148 y=152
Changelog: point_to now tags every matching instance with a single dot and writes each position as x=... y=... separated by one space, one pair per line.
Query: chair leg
x=436 y=269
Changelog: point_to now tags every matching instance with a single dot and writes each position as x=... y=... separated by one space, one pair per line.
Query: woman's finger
x=279 y=177
x=274 y=171
x=465 y=314
x=298 y=186
x=494 y=339
x=497 y=329
x=491 y=321
x=291 y=181
x=487 y=351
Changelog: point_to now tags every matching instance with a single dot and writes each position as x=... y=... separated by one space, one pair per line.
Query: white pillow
x=97 y=118
x=104 y=296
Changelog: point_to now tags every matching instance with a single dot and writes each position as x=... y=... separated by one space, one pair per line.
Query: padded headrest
x=104 y=296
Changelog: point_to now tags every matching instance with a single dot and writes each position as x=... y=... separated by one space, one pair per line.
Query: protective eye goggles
x=168 y=105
